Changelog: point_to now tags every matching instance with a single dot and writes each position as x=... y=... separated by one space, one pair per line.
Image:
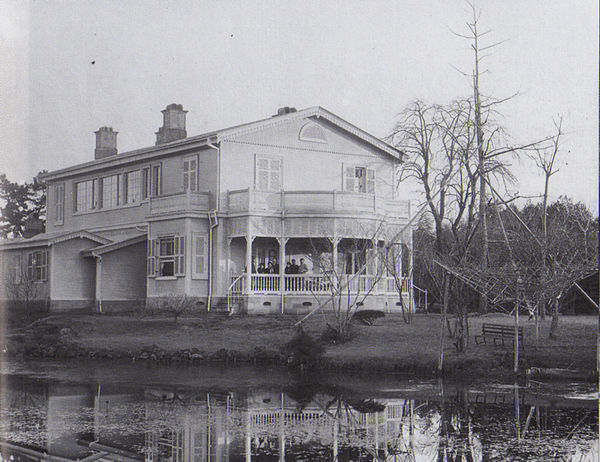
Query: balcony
x=180 y=202
x=250 y=200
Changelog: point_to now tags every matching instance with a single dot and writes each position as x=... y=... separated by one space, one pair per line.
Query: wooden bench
x=499 y=332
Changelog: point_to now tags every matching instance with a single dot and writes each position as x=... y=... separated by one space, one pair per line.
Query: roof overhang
x=112 y=246
x=46 y=240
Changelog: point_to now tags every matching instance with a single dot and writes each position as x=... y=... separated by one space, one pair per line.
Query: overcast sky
x=69 y=67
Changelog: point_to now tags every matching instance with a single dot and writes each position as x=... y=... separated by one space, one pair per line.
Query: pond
x=60 y=411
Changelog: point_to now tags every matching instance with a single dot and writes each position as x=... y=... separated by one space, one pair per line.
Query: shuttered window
x=358 y=179
x=190 y=173
x=151 y=261
x=59 y=203
x=200 y=252
x=166 y=256
x=268 y=173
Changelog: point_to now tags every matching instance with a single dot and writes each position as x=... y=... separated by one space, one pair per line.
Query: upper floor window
x=268 y=173
x=37 y=266
x=133 y=182
x=359 y=179
x=85 y=195
x=59 y=203
x=190 y=173
x=110 y=191
x=312 y=132
x=151 y=178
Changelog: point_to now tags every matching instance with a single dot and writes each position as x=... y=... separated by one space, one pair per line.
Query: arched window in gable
x=312 y=132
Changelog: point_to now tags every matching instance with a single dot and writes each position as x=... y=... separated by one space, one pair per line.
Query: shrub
x=173 y=305
x=368 y=317
x=303 y=351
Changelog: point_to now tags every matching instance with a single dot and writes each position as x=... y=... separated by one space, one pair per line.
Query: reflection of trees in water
x=312 y=423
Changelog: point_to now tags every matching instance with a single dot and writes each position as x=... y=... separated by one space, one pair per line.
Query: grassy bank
x=389 y=345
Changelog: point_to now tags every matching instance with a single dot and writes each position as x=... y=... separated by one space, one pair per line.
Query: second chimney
x=106 y=143
x=173 y=124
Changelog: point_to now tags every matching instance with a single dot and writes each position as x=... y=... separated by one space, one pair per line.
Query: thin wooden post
x=443 y=321
x=516 y=342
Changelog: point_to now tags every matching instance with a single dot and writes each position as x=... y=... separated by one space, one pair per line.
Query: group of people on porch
x=273 y=267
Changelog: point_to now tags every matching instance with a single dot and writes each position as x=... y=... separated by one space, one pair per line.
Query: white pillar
x=249 y=241
x=282 y=243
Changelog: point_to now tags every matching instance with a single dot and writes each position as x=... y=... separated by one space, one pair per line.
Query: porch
x=317 y=284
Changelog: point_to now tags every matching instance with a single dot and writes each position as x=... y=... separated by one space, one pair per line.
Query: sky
x=72 y=66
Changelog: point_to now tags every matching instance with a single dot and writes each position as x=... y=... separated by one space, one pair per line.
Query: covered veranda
x=313 y=265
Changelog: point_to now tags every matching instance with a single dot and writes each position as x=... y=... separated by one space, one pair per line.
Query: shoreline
x=261 y=342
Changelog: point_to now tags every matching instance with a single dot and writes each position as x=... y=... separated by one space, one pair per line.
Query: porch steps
x=219 y=305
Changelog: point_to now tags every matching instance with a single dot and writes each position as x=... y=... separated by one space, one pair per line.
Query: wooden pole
x=516 y=342
x=443 y=322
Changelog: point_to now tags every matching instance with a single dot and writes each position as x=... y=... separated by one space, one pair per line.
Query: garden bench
x=499 y=332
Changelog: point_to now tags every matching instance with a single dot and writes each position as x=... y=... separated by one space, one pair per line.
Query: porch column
x=249 y=241
x=374 y=244
x=228 y=262
x=282 y=243
x=334 y=258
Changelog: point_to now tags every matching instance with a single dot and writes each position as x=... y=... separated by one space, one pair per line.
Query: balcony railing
x=316 y=284
x=180 y=202
x=247 y=200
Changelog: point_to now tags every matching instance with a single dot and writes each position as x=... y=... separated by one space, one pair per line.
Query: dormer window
x=312 y=132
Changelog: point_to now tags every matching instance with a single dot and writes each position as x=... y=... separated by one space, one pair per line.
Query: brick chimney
x=106 y=143
x=173 y=124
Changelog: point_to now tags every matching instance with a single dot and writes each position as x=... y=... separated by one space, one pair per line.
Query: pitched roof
x=217 y=136
x=112 y=246
x=47 y=239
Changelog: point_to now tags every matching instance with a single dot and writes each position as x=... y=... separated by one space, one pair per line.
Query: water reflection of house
x=62 y=423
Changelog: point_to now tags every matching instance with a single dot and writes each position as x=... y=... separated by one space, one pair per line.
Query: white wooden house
x=202 y=215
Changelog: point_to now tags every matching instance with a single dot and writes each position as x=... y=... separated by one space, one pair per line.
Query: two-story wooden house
x=257 y=217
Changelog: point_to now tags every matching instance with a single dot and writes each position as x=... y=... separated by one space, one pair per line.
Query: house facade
x=219 y=217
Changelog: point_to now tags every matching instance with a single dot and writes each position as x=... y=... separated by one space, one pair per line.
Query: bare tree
x=546 y=160
x=347 y=282
x=21 y=286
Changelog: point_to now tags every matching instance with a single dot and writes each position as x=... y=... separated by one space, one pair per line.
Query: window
x=85 y=195
x=166 y=256
x=109 y=187
x=151 y=181
x=200 y=264
x=312 y=132
x=155 y=185
x=59 y=203
x=359 y=179
x=190 y=174
x=37 y=266
x=132 y=187
x=268 y=173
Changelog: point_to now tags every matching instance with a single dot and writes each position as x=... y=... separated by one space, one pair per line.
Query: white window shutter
x=349 y=180
x=179 y=254
x=262 y=173
x=151 y=262
x=200 y=255
x=370 y=181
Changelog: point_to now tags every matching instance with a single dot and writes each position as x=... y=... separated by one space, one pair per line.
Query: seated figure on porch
x=261 y=268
